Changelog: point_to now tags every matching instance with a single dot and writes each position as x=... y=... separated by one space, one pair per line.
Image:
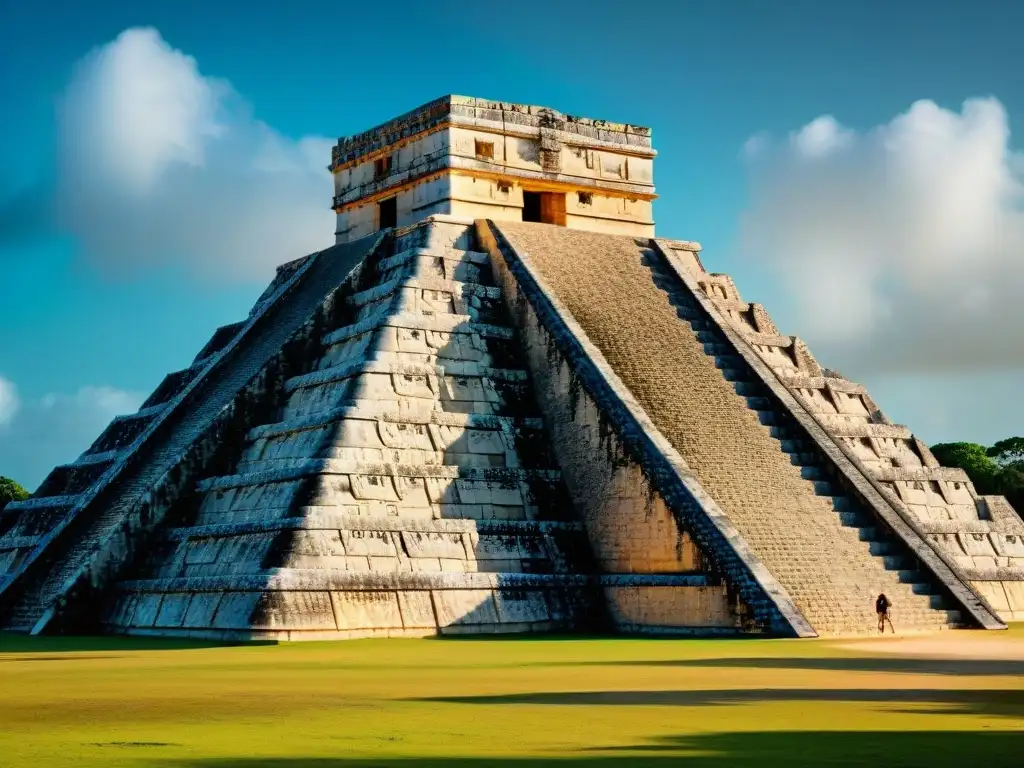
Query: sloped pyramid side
x=810 y=527
x=982 y=536
x=64 y=545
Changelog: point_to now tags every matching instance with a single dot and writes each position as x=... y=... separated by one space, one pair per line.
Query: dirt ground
x=964 y=644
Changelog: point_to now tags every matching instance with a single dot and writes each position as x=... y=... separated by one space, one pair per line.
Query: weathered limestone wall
x=982 y=537
x=449 y=156
x=632 y=528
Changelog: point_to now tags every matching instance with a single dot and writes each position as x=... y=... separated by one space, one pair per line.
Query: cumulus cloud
x=900 y=248
x=163 y=165
x=39 y=433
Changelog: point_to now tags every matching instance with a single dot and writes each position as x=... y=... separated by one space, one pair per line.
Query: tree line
x=11 y=491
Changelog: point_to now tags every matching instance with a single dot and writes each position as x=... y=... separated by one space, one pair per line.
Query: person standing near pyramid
x=882 y=606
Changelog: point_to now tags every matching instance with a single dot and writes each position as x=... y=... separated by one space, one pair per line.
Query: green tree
x=11 y=491
x=974 y=460
x=1008 y=452
x=1011 y=485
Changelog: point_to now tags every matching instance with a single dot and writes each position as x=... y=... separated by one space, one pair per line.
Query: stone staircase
x=975 y=540
x=872 y=559
x=828 y=551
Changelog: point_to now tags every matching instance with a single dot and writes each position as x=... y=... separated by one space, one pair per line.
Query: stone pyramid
x=500 y=404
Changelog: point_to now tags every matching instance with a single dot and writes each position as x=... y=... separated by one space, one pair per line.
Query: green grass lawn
x=505 y=702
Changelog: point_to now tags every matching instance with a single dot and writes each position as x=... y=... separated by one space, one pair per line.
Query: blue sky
x=822 y=153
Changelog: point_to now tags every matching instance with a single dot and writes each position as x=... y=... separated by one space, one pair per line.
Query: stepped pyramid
x=499 y=403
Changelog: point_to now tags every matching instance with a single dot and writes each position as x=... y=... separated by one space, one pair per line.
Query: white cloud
x=161 y=165
x=56 y=428
x=821 y=137
x=899 y=249
x=8 y=401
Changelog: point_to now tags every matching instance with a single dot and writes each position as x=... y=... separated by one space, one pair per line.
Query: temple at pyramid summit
x=499 y=402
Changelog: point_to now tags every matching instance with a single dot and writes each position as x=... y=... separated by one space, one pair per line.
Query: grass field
x=512 y=702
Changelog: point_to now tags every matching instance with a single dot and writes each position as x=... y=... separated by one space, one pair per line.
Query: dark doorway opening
x=387 y=213
x=531 y=206
x=544 y=207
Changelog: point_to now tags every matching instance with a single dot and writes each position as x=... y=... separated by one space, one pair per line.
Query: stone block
x=369 y=542
x=464 y=606
x=521 y=606
x=677 y=607
x=147 y=610
x=400 y=435
x=236 y=610
x=172 y=609
x=433 y=544
x=995 y=594
x=1014 y=591
x=366 y=610
x=1008 y=545
x=201 y=609
x=373 y=487
x=416 y=609
x=323 y=543
x=123 y=610
x=489 y=492
x=294 y=610
x=976 y=544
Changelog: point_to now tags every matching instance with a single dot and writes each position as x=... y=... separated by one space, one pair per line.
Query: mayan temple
x=500 y=403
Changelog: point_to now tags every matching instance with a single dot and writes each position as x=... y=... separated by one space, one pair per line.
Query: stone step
x=811 y=459
x=461 y=266
x=798 y=380
x=771 y=417
x=408 y=295
x=813 y=473
x=376 y=508
x=412 y=386
x=454 y=287
x=402 y=346
x=326 y=579
x=767 y=339
x=124 y=430
x=454 y=368
x=451 y=324
x=313 y=467
x=87 y=459
x=337 y=520
x=42 y=502
x=718 y=348
x=760 y=403
x=870 y=430
x=737 y=374
x=459 y=256
x=883 y=548
x=921 y=474
x=748 y=388
x=9 y=542
x=387 y=413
